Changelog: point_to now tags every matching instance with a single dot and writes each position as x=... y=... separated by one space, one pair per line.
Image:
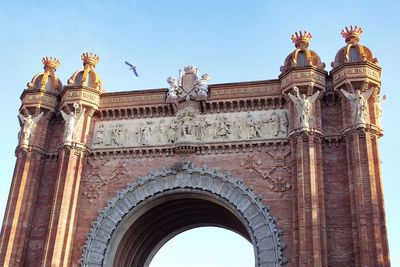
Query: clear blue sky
x=230 y=40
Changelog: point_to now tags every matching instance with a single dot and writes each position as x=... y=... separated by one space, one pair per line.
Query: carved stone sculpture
x=173 y=87
x=28 y=126
x=202 y=85
x=303 y=105
x=189 y=84
x=359 y=104
x=98 y=137
x=274 y=124
x=71 y=122
x=378 y=110
x=283 y=123
x=223 y=127
x=185 y=123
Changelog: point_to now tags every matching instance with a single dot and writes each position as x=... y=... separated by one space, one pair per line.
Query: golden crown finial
x=352 y=35
x=301 y=39
x=50 y=64
x=90 y=59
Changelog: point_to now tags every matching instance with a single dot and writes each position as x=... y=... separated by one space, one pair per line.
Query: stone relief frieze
x=189 y=126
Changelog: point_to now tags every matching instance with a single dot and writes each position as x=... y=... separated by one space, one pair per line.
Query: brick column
x=309 y=231
x=66 y=196
x=367 y=209
x=308 y=200
x=63 y=218
x=20 y=206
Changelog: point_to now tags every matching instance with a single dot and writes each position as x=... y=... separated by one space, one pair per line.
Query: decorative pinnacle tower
x=50 y=64
x=301 y=39
x=90 y=60
x=352 y=35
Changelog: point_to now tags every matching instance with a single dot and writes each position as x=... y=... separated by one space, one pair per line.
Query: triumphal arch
x=291 y=164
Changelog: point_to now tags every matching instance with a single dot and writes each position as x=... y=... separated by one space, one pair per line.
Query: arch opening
x=205 y=246
x=171 y=214
x=149 y=212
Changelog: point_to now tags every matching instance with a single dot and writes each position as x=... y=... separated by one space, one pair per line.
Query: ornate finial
x=352 y=35
x=90 y=59
x=190 y=69
x=50 y=64
x=301 y=39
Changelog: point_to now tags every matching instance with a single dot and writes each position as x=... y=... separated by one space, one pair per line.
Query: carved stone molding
x=76 y=148
x=335 y=140
x=264 y=233
x=355 y=72
x=31 y=151
x=128 y=100
x=38 y=98
x=362 y=129
x=303 y=77
x=306 y=134
x=221 y=93
x=198 y=149
x=243 y=104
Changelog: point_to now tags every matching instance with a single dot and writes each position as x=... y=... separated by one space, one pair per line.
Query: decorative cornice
x=357 y=72
x=244 y=104
x=310 y=76
x=198 y=149
x=138 y=112
x=244 y=91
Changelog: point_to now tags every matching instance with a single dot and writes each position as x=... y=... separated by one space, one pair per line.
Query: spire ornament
x=352 y=35
x=50 y=64
x=90 y=60
x=301 y=39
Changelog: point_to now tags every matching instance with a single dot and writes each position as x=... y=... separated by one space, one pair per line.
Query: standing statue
x=201 y=129
x=29 y=124
x=71 y=122
x=359 y=104
x=303 y=105
x=222 y=125
x=283 y=123
x=98 y=139
x=173 y=87
x=378 y=102
x=116 y=138
x=202 y=85
x=274 y=124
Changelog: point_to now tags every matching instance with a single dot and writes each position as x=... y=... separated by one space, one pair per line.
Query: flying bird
x=133 y=68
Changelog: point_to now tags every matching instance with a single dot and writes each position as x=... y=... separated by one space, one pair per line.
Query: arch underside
x=149 y=212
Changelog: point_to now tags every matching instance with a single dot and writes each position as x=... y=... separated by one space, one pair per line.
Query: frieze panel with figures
x=189 y=126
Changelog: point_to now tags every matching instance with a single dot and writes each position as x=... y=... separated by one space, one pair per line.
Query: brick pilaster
x=368 y=218
x=20 y=206
x=63 y=218
x=308 y=200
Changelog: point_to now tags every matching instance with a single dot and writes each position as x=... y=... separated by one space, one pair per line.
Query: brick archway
x=170 y=201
